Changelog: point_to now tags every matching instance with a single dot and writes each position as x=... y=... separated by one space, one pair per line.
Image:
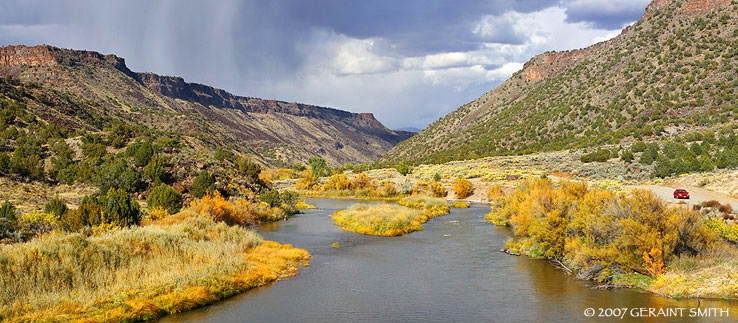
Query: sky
x=410 y=62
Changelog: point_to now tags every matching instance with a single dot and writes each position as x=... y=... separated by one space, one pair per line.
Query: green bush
x=203 y=183
x=56 y=206
x=143 y=154
x=626 y=156
x=155 y=170
x=89 y=214
x=4 y=163
x=165 y=197
x=119 y=174
x=600 y=155
x=7 y=211
x=120 y=209
x=638 y=147
x=403 y=168
x=319 y=166
x=270 y=197
x=249 y=168
x=289 y=197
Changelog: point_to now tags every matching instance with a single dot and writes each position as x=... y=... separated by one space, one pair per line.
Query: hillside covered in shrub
x=673 y=69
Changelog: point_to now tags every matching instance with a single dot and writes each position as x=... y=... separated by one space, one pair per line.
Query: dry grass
x=381 y=220
x=177 y=263
x=460 y=205
x=713 y=275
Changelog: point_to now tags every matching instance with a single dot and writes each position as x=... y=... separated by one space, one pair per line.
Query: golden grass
x=302 y=205
x=460 y=205
x=380 y=220
x=391 y=220
x=713 y=275
x=175 y=264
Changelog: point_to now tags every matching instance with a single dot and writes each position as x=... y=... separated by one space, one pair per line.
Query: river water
x=452 y=271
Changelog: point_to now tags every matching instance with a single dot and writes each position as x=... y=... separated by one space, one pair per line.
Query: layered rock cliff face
x=274 y=132
x=673 y=68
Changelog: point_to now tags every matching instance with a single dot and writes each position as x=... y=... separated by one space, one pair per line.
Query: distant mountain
x=276 y=133
x=674 y=71
x=411 y=129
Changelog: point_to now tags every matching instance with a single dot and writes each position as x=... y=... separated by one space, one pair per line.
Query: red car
x=681 y=194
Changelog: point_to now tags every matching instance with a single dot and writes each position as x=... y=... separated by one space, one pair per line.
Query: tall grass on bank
x=138 y=273
x=380 y=220
x=431 y=207
x=391 y=220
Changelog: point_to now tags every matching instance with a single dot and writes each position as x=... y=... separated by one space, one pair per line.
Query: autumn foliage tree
x=463 y=188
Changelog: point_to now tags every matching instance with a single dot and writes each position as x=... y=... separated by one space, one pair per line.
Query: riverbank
x=175 y=264
x=620 y=240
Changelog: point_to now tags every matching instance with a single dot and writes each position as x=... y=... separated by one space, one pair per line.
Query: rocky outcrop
x=655 y=6
x=12 y=56
x=704 y=5
x=691 y=6
x=549 y=64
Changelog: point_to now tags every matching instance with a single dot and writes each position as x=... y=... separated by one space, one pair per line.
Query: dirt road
x=696 y=194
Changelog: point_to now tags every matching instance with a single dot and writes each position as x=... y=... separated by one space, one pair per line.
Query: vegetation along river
x=452 y=271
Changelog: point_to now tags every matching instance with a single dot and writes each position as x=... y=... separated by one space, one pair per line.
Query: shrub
x=249 y=168
x=218 y=209
x=600 y=155
x=437 y=190
x=143 y=154
x=463 y=188
x=638 y=147
x=57 y=207
x=360 y=181
x=337 y=182
x=307 y=181
x=403 y=168
x=163 y=196
x=270 y=197
x=4 y=163
x=437 y=177
x=120 y=209
x=155 y=171
x=203 y=184
x=626 y=156
x=89 y=214
x=40 y=222
x=586 y=226
x=7 y=211
x=494 y=192
x=291 y=198
x=318 y=166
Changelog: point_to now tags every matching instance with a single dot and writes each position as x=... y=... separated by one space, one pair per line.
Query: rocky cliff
x=273 y=132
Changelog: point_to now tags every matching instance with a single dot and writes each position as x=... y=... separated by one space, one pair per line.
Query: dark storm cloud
x=412 y=27
x=308 y=50
x=605 y=14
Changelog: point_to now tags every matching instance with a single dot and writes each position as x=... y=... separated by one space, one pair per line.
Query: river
x=452 y=271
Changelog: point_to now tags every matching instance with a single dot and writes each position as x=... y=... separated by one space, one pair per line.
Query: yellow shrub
x=361 y=181
x=463 y=188
x=493 y=193
x=158 y=213
x=41 y=218
x=220 y=210
x=307 y=181
x=460 y=205
x=337 y=182
x=588 y=226
x=301 y=205
x=437 y=190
